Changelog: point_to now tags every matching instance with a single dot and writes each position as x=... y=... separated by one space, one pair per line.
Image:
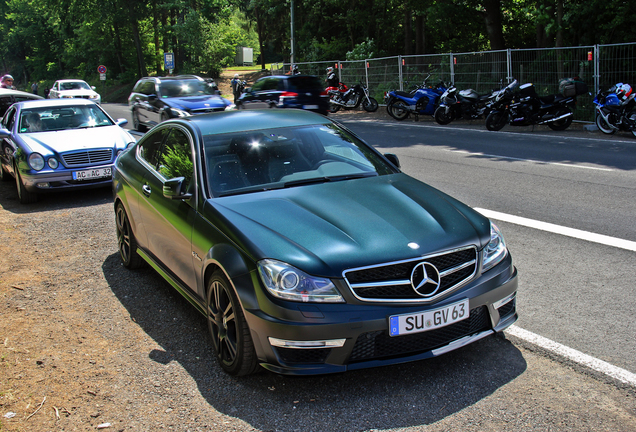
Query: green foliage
x=362 y=51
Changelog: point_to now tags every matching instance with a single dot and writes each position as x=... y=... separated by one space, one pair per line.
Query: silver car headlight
x=495 y=251
x=288 y=283
x=179 y=113
x=36 y=161
x=53 y=163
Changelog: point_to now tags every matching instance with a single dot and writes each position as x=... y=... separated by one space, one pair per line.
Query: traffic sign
x=101 y=69
x=168 y=60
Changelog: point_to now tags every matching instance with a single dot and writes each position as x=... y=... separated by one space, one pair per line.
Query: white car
x=72 y=88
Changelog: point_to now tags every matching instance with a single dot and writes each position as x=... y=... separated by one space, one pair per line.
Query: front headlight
x=230 y=107
x=66 y=97
x=495 y=250
x=36 y=161
x=94 y=96
x=179 y=113
x=53 y=163
x=288 y=283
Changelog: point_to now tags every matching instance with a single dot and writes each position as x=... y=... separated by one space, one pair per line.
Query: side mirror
x=121 y=122
x=4 y=133
x=94 y=88
x=172 y=189
x=152 y=97
x=393 y=159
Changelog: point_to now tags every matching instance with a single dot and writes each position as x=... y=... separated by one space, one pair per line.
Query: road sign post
x=168 y=61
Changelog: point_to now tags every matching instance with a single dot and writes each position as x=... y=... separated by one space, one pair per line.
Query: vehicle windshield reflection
x=57 y=118
x=246 y=162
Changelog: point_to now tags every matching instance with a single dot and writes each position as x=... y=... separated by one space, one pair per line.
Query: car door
x=168 y=222
x=263 y=94
x=141 y=102
x=53 y=93
x=8 y=146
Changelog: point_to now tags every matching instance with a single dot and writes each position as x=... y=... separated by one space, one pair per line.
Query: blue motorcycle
x=612 y=114
x=422 y=101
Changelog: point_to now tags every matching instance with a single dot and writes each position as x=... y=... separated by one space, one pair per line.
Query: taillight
x=288 y=94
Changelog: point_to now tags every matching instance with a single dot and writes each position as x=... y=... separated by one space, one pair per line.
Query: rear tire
x=442 y=117
x=398 y=109
x=370 y=105
x=562 y=124
x=126 y=240
x=496 y=120
x=230 y=334
x=333 y=108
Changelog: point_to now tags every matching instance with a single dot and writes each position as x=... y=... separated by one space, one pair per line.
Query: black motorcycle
x=351 y=98
x=523 y=107
x=463 y=104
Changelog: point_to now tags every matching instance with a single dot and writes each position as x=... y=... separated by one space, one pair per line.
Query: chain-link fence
x=600 y=66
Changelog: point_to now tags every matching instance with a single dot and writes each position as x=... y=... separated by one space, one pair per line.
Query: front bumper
x=307 y=339
x=58 y=180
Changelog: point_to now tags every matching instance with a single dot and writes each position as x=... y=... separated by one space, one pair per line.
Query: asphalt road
x=572 y=291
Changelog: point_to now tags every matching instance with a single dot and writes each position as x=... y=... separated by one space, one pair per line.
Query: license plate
x=424 y=321
x=92 y=174
x=310 y=106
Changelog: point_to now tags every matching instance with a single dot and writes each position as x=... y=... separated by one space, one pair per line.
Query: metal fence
x=600 y=66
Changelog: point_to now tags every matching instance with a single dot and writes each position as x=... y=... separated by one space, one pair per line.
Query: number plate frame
x=417 y=322
x=91 y=174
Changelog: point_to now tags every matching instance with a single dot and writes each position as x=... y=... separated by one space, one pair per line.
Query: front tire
x=496 y=120
x=126 y=240
x=442 y=117
x=603 y=126
x=230 y=334
x=398 y=109
x=562 y=124
x=370 y=105
x=24 y=195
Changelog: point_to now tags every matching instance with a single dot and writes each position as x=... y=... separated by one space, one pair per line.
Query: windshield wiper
x=316 y=180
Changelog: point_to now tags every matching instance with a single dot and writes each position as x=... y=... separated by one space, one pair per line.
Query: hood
x=78 y=92
x=327 y=228
x=197 y=102
x=76 y=139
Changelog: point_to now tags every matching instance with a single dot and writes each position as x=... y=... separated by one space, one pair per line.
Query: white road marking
x=530 y=160
x=574 y=355
x=557 y=229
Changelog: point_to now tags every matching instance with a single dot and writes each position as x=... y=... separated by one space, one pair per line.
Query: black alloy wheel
x=333 y=107
x=496 y=120
x=126 y=240
x=370 y=104
x=230 y=334
x=442 y=117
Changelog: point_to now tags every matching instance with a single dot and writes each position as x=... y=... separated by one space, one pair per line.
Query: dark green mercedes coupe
x=307 y=250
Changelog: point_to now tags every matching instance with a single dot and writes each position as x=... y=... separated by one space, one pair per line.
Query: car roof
x=173 y=78
x=4 y=92
x=284 y=77
x=71 y=80
x=252 y=120
x=54 y=103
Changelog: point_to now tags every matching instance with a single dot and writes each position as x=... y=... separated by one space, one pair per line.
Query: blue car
x=59 y=144
x=155 y=99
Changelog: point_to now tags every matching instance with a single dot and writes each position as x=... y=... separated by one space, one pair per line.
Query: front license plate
x=310 y=106
x=424 y=321
x=92 y=174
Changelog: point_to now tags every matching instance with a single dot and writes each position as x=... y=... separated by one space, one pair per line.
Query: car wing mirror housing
x=4 y=133
x=121 y=122
x=173 y=189
x=393 y=159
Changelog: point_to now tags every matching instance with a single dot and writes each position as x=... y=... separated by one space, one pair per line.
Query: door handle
x=146 y=189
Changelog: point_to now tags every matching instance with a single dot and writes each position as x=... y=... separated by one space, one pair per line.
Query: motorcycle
x=611 y=115
x=523 y=107
x=350 y=98
x=423 y=101
x=462 y=104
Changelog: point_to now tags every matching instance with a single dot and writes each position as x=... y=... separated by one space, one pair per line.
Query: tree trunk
x=408 y=44
x=420 y=34
x=494 y=28
x=141 y=64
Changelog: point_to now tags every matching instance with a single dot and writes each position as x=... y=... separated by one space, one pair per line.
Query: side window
x=258 y=85
x=150 y=150
x=148 y=88
x=9 y=118
x=270 y=84
x=176 y=157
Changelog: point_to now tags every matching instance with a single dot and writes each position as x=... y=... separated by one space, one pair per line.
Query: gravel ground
x=86 y=344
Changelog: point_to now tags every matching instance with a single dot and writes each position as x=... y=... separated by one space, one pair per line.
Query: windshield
x=185 y=88
x=74 y=85
x=62 y=118
x=287 y=157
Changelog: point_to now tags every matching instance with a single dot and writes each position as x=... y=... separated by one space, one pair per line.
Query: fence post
x=509 y=64
x=452 y=69
x=366 y=72
x=400 y=72
x=597 y=69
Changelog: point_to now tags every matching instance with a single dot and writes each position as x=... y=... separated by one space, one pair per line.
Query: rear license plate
x=430 y=320
x=310 y=106
x=92 y=174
